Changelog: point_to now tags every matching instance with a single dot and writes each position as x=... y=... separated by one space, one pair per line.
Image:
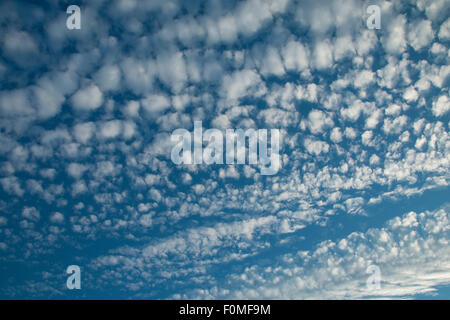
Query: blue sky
x=86 y=176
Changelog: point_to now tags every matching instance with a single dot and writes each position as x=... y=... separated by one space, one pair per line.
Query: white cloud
x=240 y=83
x=275 y=117
x=129 y=129
x=31 y=213
x=152 y=179
x=343 y=47
x=110 y=129
x=138 y=75
x=374 y=160
x=79 y=187
x=318 y=121
x=198 y=189
x=155 y=104
x=186 y=178
x=295 y=56
x=131 y=109
x=146 y=220
x=364 y=78
x=323 y=55
x=393 y=110
x=83 y=131
x=57 y=217
x=108 y=77
x=47 y=99
x=87 y=99
x=336 y=135
x=353 y=112
x=396 y=125
x=222 y=122
x=441 y=106
x=421 y=34
x=366 y=138
x=251 y=15
x=410 y=94
x=366 y=41
x=350 y=133
x=230 y=172
x=444 y=31
x=15 y=103
x=434 y=9
x=227 y=28
x=76 y=170
x=373 y=119
x=410 y=251
x=172 y=70
x=20 y=47
x=11 y=185
x=316 y=147
x=272 y=64
x=394 y=40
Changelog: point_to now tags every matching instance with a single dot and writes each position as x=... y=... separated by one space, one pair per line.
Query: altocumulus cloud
x=86 y=176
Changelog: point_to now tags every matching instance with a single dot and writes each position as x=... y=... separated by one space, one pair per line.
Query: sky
x=87 y=179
